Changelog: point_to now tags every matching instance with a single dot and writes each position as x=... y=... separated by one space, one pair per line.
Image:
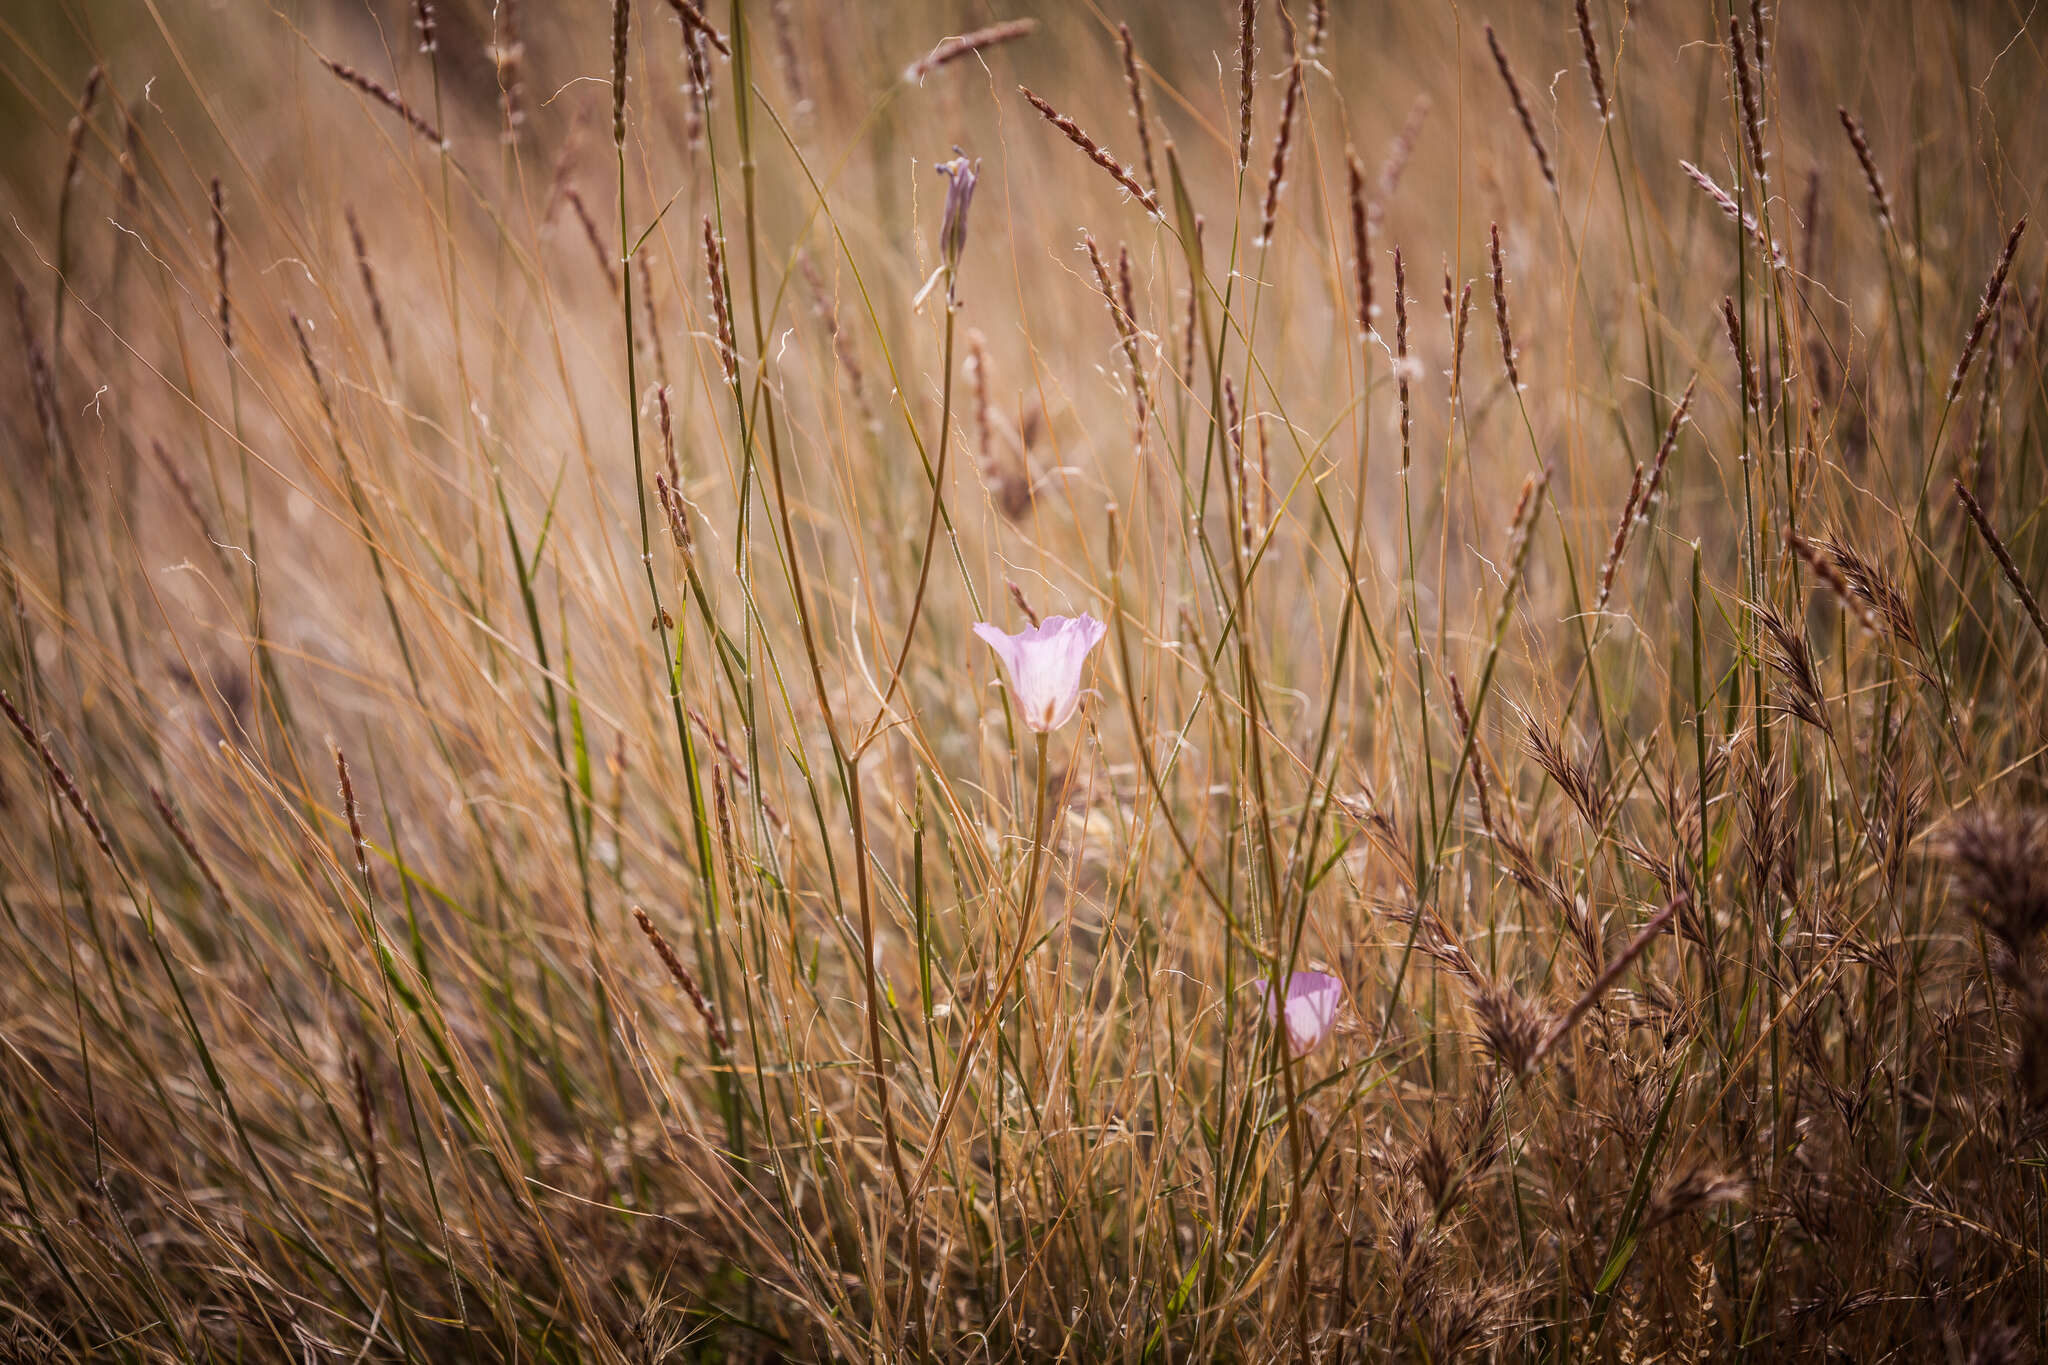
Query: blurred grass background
x=1680 y=855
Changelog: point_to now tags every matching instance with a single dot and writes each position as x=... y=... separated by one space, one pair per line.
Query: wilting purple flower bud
x=961 y=175
x=1312 y=1001
x=1044 y=664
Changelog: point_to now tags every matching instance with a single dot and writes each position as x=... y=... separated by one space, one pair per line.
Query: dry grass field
x=527 y=832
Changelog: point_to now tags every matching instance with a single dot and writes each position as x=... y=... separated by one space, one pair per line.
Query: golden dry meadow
x=696 y=680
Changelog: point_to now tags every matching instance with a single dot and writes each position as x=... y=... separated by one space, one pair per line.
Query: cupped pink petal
x=1005 y=646
x=1045 y=665
x=1312 y=1002
x=1313 y=999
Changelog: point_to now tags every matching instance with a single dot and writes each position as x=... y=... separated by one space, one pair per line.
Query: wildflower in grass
x=1044 y=664
x=1312 y=1001
x=961 y=175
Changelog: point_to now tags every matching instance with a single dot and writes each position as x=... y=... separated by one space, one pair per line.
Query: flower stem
x=1002 y=990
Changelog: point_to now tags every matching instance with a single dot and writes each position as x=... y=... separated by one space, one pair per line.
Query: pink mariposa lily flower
x=1312 y=1001
x=1044 y=664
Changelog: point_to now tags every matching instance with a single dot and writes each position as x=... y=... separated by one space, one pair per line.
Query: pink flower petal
x=1044 y=665
x=1313 y=999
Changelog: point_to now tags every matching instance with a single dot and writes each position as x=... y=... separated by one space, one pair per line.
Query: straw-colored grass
x=510 y=848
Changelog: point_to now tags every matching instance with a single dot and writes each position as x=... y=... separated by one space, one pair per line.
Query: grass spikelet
x=1591 y=47
x=1880 y=199
x=574 y=199
x=1527 y=119
x=966 y=45
x=42 y=382
x=645 y=259
x=2012 y=573
x=1574 y=777
x=358 y=846
x=1233 y=427
x=222 y=310
x=1023 y=603
x=1401 y=363
x=1873 y=587
x=721 y=307
x=1095 y=152
x=312 y=365
x=1005 y=468
x=1399 y=152
x=1752 y=116
x=984 y=411
x=1277 y=175
x=183 y=834
x=669 y=463
x=622 y=21
x=1128 y=336
x=1645 y=936
x=1667 y=445
x=1789 y=656
x=366 y=1114
x=697 y=49
x=675 y=514
x=1733 y=211
x=1480 y=787
x=1829 y=573
x=59 y=775
x=363 y=272
x=1247 y=59
x=786 y=56
x=74 y=149
x=1461 y=324
x=387 y=97
x=1994 y=290
x=1692 y=1191
x=1500 y=310
x=1998 y=858
x=843 y=354
x=1511 y=1029
x=1738 y=346
x=694 y=993
x=1630 y=507
x=698 y=28
x=1361 y=242
x=187 y=496
x=1135 y=83
x=508 y=59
